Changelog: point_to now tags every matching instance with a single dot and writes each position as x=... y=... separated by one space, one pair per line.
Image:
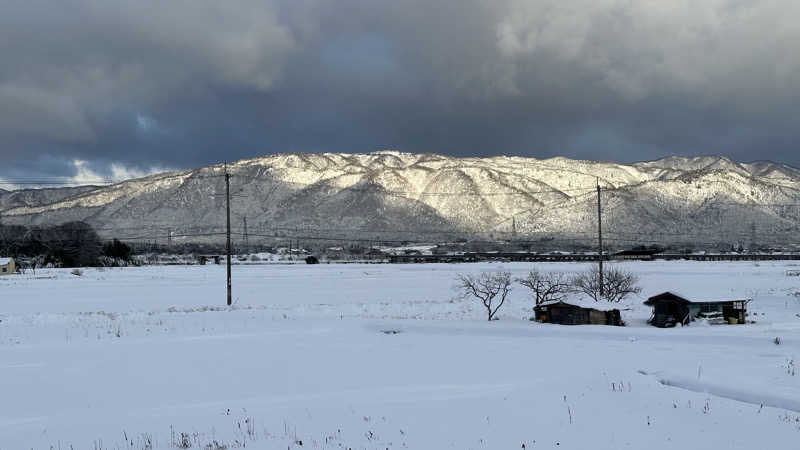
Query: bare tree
x=617 y=284
x=546 y=286
x=587 y=282
x=486 y=287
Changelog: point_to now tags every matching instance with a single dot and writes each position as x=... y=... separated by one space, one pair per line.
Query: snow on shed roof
x=686 y=298
x=4 y=261
x=584 y=302
x=679 y=295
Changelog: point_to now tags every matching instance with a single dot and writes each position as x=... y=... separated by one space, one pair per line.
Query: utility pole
x=169 y=237
x=246 y=244
x=228 y=233
x=599 y=238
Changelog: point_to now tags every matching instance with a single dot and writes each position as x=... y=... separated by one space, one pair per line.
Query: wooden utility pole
x=246 y=243
x=228 y=233
x=599 y=238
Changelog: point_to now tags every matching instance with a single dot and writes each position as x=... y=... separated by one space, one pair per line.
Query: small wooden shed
x=670 y=309
x=577 y=312
x=7 y=266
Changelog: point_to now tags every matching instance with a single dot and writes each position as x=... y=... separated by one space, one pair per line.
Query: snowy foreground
x=384 y=356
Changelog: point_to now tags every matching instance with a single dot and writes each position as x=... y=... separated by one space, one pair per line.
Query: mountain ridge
x=389 y=194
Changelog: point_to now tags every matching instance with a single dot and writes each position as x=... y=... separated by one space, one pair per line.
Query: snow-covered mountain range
x=427 y=197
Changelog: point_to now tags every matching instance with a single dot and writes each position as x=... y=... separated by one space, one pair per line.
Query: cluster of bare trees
x=614 y=285
x=492 y=288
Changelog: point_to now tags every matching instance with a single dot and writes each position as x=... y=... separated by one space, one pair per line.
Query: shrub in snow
x=77 y=272
x=486 y=287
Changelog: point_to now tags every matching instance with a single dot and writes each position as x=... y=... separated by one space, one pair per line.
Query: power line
x=160 y=230
x=587 y=239
x=324 y=234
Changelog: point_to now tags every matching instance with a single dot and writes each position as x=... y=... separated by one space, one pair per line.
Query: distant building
x=7 y=266
x=577 y=312
x=670 y=309
x=446 y=249
x=638 y=254
x=203 y=259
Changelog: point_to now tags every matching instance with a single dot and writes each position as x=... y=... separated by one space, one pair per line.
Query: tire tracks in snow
x=740 y=395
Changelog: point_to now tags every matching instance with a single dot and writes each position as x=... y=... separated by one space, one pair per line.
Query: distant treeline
x=71 y=244
x=76 y=244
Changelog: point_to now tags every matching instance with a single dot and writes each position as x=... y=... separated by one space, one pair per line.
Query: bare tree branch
x=486 y=287
x=617 y=284
x=547 y=286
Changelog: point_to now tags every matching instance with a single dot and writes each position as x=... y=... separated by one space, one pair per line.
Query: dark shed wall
x=568 y=315
x=575 y=315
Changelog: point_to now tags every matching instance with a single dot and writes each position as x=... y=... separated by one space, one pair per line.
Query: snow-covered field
x=385 y=356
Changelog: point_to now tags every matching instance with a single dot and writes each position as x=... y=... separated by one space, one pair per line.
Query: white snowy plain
x=386 y=356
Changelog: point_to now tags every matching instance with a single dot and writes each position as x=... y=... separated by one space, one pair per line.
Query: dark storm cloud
x=145 y=84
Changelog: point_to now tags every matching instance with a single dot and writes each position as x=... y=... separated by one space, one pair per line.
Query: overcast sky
x=120 y=88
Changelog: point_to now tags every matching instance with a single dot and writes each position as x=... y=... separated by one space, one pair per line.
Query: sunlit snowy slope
x=387 y=193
